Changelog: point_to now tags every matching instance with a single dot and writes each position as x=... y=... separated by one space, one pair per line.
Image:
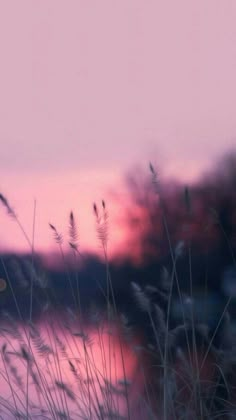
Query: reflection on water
x=58 y=369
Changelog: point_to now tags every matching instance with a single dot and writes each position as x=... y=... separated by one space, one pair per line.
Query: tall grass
x=76 y=364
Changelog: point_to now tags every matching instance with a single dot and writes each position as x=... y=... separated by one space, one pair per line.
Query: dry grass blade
x=102 y=224
x=155 y=179
x=73 y=232
x=7 y=206
x=63 y=387
x=141 y=298
x=160 y=320
x=57 y=236
x=41 y=347
x=26 y=355
x=95 y=210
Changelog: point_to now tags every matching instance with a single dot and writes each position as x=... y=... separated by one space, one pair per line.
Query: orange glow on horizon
x=56 y=194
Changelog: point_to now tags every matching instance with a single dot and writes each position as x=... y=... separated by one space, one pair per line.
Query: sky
x=90 y=88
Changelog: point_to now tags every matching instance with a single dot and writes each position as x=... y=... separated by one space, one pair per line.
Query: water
x=57 y=368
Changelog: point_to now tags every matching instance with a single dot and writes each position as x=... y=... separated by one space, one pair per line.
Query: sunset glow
x=87 y=91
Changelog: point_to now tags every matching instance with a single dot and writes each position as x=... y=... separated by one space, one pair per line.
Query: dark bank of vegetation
x=177 y=299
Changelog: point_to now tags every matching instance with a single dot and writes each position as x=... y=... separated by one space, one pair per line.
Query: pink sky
x=88 y=88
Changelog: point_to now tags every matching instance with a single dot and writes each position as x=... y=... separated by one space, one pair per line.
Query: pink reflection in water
x=49 y=371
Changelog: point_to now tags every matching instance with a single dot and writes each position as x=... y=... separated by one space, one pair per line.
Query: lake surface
x=59 y=369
